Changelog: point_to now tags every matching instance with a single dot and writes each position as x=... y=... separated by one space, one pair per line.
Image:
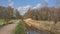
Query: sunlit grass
x=2 y=22
x=51 y=26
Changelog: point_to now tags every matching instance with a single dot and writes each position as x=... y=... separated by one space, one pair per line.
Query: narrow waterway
x=32 y=30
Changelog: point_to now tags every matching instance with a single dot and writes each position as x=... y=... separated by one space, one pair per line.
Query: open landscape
x=29 y=16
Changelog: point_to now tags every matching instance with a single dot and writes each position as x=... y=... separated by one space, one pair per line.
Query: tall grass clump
x=20 y=29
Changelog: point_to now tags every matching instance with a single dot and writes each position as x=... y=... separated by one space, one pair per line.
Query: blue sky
x=20 y=3
x=23 y=5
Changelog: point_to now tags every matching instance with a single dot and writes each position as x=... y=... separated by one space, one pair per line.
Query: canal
x=32 y=30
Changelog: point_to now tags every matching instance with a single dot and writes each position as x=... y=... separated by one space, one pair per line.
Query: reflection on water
x=35 y=32
x=32 y=30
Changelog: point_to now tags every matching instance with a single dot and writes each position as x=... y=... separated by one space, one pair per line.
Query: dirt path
x=8 y=29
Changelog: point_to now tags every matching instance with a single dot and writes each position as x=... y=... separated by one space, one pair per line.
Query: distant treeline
x=44 y=13
x=8 y=13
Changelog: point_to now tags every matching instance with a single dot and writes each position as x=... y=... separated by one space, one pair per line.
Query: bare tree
x=6 y=13
x=18 y=16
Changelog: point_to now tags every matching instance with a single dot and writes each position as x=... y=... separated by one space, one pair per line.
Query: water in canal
x=35 y=32
x=32 y=30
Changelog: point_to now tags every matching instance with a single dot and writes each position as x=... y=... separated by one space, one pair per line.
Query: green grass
x=20 y=29
x=2 y=22
x=11 y=21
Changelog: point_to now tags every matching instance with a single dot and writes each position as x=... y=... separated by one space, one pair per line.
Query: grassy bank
x=20 y=29
x=2 y=22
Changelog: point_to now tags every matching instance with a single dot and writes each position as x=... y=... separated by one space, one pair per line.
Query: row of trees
x=8 y=13
x=44 y=13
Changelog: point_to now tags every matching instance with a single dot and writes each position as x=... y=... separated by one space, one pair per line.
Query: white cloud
x=23 y=9
x=26 y=7
x=37 y=6
x=20 y=8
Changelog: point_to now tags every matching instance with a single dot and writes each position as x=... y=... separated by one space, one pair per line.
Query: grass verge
x=20 y=29
x=2 y=22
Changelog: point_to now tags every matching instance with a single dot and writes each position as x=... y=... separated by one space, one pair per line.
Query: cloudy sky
x=24 y=5
x=20 y=3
